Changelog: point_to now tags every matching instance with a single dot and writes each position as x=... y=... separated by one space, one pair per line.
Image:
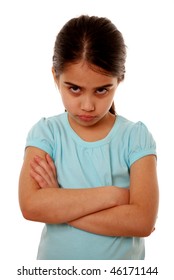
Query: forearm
x=136 y=218
x=124 y=220
x=55 y=205
x=41 y=199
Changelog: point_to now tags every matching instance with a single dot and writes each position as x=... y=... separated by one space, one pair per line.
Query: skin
x=109 y=210
x=87 y=93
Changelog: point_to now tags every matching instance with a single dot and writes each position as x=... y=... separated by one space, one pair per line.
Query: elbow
x=148 y=225
x=30 y=207
x=144 y=224
x=145 y=229
x=27 y=213
x=26 y=216
x=37 y=212
x=145 y=232
x=29 y=210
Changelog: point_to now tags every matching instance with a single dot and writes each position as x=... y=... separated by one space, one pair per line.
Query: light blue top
x=82 y=164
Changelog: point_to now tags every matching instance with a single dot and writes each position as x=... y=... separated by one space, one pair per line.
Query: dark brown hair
x=95 y=40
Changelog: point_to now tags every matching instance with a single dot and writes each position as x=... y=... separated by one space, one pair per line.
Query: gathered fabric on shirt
x=82 y=164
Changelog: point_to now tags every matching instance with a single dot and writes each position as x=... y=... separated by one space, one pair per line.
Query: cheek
x=107 y=103
x=69 y=103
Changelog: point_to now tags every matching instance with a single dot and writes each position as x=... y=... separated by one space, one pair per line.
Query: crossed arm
x=106 y=210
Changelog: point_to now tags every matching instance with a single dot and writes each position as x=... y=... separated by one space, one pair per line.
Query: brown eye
x=101 y=91
x=75 y=89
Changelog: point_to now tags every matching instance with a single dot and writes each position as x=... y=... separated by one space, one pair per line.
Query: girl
x=90 y=174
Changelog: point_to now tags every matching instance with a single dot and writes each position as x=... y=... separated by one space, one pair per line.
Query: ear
x=54 y=73
x=56 y=79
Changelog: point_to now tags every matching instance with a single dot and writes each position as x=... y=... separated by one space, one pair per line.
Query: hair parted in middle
x=96 y=40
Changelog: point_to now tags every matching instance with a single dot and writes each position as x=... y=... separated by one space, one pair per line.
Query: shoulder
x=132 y=129
x=137 y=138
x=53 y=120
x=49 y=123
x=45 y=133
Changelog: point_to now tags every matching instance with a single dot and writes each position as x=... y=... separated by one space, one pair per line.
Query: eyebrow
x=102 y=86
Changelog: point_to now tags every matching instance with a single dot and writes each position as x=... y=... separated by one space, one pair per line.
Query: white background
x=27 y=93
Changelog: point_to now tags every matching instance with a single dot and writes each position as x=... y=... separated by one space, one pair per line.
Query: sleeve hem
x=39 y=146
x=142 y=154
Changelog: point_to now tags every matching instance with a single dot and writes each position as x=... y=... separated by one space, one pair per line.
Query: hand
x=43 y=171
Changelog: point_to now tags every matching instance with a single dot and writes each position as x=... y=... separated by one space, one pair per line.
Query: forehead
x=86 y=74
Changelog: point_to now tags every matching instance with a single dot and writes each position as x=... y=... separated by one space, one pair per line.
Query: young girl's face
x=86 y=94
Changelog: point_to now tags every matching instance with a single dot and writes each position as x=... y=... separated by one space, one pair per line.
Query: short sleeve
x=41 y=136
x=141 y=143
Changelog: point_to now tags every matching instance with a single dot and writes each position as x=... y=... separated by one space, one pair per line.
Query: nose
x=87 y=103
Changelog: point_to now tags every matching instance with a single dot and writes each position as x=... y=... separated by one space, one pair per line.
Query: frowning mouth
x=86 y=118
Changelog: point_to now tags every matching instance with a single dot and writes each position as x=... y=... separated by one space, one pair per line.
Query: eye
x=74 y=89
x=101 y=91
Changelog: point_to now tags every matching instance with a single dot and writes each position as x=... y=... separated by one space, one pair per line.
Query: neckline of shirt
x=101 y=142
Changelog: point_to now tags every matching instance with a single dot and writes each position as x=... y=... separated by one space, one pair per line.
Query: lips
x=86 y=118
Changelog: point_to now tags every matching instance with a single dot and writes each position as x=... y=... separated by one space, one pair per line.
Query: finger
x=51 y=164
x=44 y=165
x=40 y=170
x=41 y=182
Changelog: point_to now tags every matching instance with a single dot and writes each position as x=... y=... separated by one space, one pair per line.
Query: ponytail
x=112 y=109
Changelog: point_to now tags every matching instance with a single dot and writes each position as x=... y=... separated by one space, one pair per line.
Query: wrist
x=122 y=196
